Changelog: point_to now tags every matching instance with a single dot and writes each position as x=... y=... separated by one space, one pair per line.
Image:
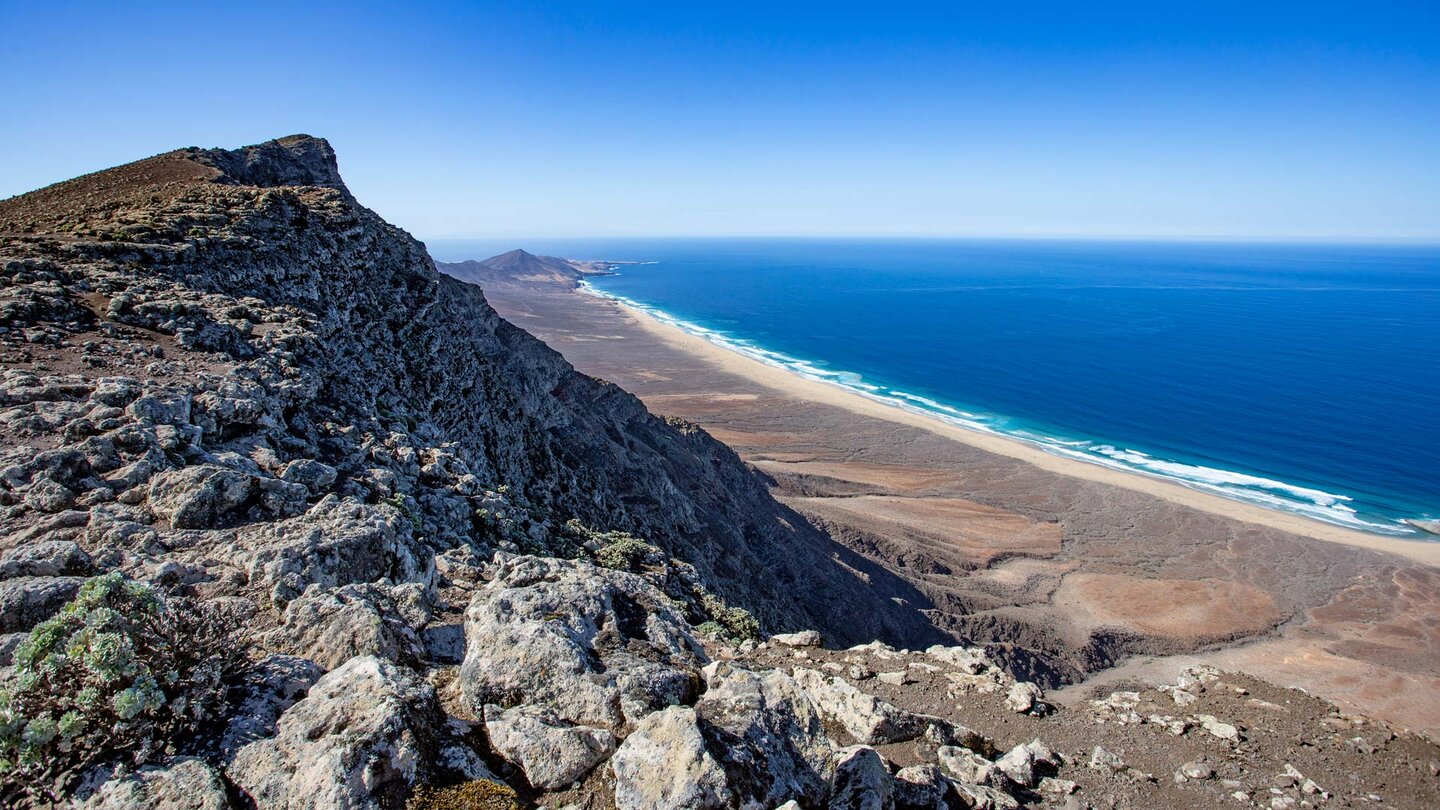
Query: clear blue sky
x=1254 y=119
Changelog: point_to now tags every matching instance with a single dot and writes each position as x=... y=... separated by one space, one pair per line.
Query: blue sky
x=1260 y=119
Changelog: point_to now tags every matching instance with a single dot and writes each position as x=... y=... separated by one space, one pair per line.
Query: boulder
x=920 y=787
x=331 y=626
x=861 y=781
x=665 y=765
x=52 y=558
x=311 y=474
x=185 y=784
x=161 y=408
x=971 y=660
x=868 y=719
x=552 y=754
x=804 y=638
x=967 y=766
x=1024 y=698
x=766 y=734
x=27 y=601
x=339 y=541
x=199 y=496
x=265 y=691
x=362 y=738
x=1026 y=764
x=599 y=647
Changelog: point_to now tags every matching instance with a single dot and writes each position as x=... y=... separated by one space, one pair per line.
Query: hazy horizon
x=1277 y=122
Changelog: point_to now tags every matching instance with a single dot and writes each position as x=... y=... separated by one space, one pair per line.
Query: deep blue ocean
x=1301 y=377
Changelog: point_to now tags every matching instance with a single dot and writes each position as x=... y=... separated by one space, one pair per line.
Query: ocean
x=1300 y=377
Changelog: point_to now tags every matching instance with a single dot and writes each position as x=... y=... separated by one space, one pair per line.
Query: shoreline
x=796 y=385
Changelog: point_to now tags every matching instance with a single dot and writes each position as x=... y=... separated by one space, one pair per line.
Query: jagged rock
x=599 y=647
x=198 y=497
x=665 y=765
x=365 y=734
x=266 y=690
x=859 y=672
x=804 y=638
x=331 y=626
x=870 y=720
x=27 y=601
x=861 y=781
x=161 y=408
x=337 y=542
x=1105 y=761
x=946 y=733
x=1217 y=728
x=969 y=767
x=186 y=784
x=461 y=567
x=972 y=660
x=552 y=754
x=980 y=797
x=765 y=732
x=1195 y=770
x=1026 y=763
x=46 y=559
x=1019 y=764
x=1024 y=698
x=311 y=474
x=1055 y=789
x=920 y=787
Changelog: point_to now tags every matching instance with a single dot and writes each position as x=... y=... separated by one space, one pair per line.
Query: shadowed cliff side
x=263 y=282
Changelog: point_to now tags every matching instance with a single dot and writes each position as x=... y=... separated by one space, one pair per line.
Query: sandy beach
x=794 y=385
x=1103 y=574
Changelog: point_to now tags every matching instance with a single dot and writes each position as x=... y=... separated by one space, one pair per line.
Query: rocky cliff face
x=279 y=321
x=431 y=564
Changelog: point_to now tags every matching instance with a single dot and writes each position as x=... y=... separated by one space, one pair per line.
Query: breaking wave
x=1329 y=507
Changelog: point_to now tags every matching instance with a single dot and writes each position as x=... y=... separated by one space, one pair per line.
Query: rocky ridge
x=457 y=573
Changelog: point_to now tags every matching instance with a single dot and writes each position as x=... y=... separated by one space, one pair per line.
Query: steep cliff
x=297 y=324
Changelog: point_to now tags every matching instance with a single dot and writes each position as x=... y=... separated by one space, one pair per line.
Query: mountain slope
x=300 y=325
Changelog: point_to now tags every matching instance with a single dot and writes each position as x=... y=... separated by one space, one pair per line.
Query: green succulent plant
x=119 y=672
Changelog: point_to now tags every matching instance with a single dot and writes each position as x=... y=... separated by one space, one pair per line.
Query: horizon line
x=1339 y=239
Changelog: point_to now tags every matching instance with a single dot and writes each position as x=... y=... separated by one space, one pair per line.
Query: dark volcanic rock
x=241 y=339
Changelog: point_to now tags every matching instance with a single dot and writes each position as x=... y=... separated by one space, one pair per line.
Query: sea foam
x=1328 y=507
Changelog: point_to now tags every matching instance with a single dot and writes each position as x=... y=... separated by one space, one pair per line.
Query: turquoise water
x=1300 y=377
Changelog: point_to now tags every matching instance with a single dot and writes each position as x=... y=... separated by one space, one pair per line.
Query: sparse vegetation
x=478 y=794
x=626 y=553
x=735 y=624
x=120 y=672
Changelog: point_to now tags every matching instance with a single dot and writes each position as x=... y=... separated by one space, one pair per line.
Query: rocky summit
x=289 y=519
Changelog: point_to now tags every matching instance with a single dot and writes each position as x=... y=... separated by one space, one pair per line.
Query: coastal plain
x=1110 y=576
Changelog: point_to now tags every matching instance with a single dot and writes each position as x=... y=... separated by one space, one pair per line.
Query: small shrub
x=118 y=673
x=737 y=623
x=479 y=794
x=625 y=553
x=710 y=629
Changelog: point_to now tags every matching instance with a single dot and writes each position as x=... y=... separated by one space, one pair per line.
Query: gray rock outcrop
x=597 y=647
x=365 y=734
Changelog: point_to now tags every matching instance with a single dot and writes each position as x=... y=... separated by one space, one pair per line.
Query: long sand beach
x=794 y=385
